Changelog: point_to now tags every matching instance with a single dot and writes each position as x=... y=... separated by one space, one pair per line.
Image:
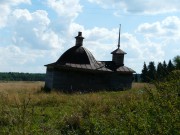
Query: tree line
x=151 y=72
x=15 y=76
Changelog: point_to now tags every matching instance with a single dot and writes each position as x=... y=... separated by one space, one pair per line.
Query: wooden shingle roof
x=78 y=57
x=118 y=51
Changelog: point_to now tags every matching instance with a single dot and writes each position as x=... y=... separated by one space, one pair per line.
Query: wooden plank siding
x=71 y=80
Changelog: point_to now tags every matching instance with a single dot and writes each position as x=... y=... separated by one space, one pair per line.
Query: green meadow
x=25 y=109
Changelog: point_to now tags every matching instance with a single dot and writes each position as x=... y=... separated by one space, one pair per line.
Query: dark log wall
x=118 y=59
x=49 y=79
x=83 y=81
x=86 y=81
x=121 y=81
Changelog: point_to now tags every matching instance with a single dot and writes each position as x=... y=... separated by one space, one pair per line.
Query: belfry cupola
x=118 y=54
x=77 y=54
x=79 y=39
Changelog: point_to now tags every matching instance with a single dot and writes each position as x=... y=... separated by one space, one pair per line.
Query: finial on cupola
x=119 y=39
x=79 y=39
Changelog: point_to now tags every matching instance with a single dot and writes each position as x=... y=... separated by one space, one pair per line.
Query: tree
x=170 y=66
x=165 y=71
x=144 y=73
x=159 y=71
x=136 y=78
x=13 y=76
x=176 y=61
x=151 y=71
x=164 y=65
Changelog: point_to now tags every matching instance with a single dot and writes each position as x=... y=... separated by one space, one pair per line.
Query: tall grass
x=145 y=109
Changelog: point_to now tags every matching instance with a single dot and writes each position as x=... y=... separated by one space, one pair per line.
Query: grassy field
x=145 y=109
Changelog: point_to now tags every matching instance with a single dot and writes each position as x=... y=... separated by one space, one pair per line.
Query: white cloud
x=6 y=8
x=31 y=42
x=34 y=30
x=66 y=9
x=66 y=13
x=102 y=41
x=151 y=29
x=161 y=39
x=168 y=28
x=14 y=2
x=139 y=51
x=39 y=37
x=74 y=28
x=140 y=6
x=15 y=57
x=35 y=40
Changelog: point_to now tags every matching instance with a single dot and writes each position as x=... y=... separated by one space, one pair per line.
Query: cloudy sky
x=36 y=32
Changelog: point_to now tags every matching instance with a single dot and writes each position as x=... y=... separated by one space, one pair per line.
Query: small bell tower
x=118 y=54
x=79 y=39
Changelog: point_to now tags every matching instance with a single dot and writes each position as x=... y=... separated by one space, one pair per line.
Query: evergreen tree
x=144 y=73
x=164 y=65
x=176 y=61
x=160 y=71
x=165 y=71
x=13 y=76
x=170 y=66
x=136 y=78
x=151 y=71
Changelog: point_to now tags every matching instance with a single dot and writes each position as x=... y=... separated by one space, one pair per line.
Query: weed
x=145 y=109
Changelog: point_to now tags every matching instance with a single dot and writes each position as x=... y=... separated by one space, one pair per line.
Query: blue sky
x=36 y=32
